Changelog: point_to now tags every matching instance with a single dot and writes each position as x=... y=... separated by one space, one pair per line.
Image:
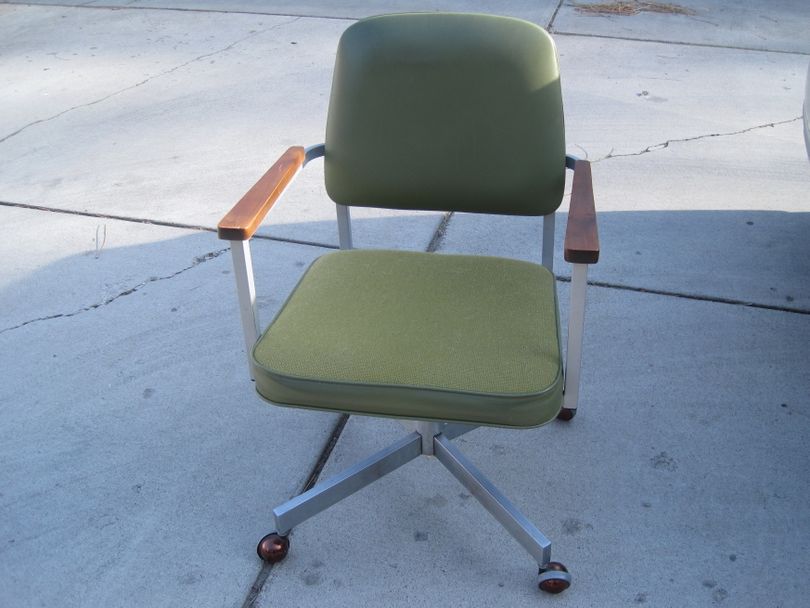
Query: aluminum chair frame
x=428 y=438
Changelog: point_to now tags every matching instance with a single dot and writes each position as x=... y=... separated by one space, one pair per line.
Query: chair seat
x=423 y=336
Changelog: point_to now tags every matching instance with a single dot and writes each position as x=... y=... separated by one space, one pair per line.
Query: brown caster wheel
x=273 y=548
x=566 y=414
x=554 y=578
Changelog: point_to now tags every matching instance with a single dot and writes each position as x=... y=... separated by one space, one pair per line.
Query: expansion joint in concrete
x=312 y=479
x=550 y=26
x=179 y=9
x=140 y=220
x=692 y=296
x=438 y=235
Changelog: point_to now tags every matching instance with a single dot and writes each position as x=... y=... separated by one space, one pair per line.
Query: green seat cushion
x=417 y=335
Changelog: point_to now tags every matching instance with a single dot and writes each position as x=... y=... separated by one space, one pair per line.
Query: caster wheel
x=554 y=578
x=273 y=548
x=566 y=414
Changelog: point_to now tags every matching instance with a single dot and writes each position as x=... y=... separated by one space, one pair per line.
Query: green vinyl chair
x=448 y=112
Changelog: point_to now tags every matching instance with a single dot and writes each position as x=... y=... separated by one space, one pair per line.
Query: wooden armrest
x=244 y=218
x=581 y=235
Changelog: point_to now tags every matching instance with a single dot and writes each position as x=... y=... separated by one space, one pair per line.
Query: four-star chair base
x=429 y=439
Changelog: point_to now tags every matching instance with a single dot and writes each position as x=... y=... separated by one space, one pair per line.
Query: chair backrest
x=452 y=112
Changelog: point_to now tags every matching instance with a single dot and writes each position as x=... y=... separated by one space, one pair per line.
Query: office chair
x=447 y=112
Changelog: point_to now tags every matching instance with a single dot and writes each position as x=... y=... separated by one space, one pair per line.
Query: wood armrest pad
x=581 y=235
x=244 y=218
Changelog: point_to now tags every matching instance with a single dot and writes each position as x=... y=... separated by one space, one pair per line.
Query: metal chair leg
x=335 y=489
x=553 y=576
x=493 y=500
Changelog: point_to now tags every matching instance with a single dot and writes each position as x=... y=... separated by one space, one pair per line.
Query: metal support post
x=548 y=241
x=246 y=292
x=576 y=326
x=428 y=430
x=344 y=222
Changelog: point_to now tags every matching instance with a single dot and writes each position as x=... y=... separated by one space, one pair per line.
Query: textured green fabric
x=417 y=335
x=446 y=111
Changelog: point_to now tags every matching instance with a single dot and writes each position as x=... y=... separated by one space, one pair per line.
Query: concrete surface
x=699 y=148
x=132 y=136
x=137 y=467
x=662 y=492
x=777 y=25
x=539 y=11
x=121 y=457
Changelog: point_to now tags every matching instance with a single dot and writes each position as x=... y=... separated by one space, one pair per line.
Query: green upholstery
x=417 y=335
x=446 y=112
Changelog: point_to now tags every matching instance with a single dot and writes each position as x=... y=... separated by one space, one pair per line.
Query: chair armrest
x=244 y=218
x=581 y=235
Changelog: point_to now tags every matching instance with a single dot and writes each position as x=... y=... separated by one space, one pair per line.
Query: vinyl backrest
x=451 y=112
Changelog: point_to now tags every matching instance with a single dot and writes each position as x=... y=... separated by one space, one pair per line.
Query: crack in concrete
x=691 y=296
x=197 y=261
x=666 y=144
x=146 y=80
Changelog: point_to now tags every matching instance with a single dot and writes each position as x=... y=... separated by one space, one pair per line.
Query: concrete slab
x=539 y=11
x=755 y=257
x=682 y=475
x=139 y=468
x=176 y=139
x=138 y=464
x=97 y=53
x=623 y=96
x=705 y=192
x=61 y=265
x=751 y=247
x=774 y=26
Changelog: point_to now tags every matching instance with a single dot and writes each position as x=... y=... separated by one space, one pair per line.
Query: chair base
x=429 y=439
